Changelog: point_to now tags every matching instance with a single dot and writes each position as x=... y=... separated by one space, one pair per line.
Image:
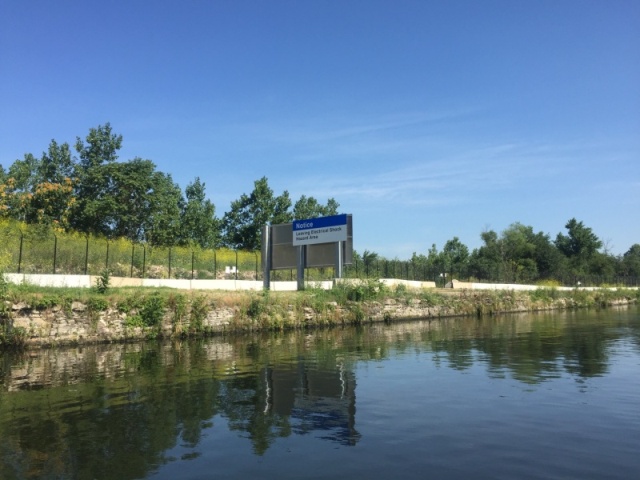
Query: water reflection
x=115 y=411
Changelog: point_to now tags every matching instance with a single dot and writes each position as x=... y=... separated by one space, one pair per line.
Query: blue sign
x=320 y=230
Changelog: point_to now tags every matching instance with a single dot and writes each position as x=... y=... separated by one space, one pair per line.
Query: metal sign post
x=302 y=250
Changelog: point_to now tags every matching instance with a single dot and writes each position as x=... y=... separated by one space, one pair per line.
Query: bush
x=152 y=310
x=358 y=291
x=199 y=311
x=97 y=304
x=103 y=280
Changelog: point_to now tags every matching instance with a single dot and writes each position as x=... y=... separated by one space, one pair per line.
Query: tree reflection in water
x=113 y=411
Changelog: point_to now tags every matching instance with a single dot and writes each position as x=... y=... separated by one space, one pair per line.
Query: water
x=527 y=396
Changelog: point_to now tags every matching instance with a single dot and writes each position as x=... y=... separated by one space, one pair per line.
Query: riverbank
x=40 y=317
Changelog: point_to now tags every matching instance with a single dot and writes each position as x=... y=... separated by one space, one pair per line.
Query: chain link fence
x=45 y=252
x=87 y=255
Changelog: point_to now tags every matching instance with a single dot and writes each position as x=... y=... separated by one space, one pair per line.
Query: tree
x=95 y=180
x=56 y=164
x=309 y=207
x=550 y=262
x=630 y=263
x=130 y=199
x=455 y=256
x=18 y=188
x=53 y=196
x=485 y=262
x=579 y=246
x=242 y=225
x=102 y=147
x=163 y=226
x=369 y=259
x=580 y=241
x=516 y=255
x=198 y=223
x=41 y=190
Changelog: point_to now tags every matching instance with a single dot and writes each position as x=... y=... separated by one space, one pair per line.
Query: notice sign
x=320 y=230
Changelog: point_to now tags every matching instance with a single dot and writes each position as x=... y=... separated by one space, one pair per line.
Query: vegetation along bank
x=34 y=316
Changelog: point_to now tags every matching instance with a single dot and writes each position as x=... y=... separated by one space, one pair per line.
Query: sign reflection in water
x=134 y=411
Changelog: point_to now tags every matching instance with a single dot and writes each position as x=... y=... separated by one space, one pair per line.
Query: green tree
x=53 y=195
x=94 y=203
x=550 y=262
x=163 y=225
x=369 y=260
x=309 y=207
x=455 y=257
x=630 y=262
x=18 y=188
x=135 y=202
x=518 y=253
x=56 y=164
x=242 y=225
x=485 y=262
x=198 y=222
x=580 y=246
x=580 y=241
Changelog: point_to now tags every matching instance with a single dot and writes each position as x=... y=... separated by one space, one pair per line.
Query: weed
x=152 y=310
x=199 y=311
x=103 y=281
x=134 y=321
x=257 y=306
x=357 y=314
x=358 y=291
x=97 y=304
x=177 y=303
x=12 y=337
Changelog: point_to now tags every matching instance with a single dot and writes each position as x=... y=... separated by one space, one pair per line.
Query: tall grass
x=36 y=249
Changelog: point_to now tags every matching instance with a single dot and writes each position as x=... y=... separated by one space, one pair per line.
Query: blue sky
x=424 y=119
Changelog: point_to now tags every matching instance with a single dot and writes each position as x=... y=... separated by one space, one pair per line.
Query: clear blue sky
x=424 y=119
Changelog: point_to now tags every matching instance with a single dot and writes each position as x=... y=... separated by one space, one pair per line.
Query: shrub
x=359 y=291
x=152 y=310
x=103 y=280
x=97 y=304
x=256 y=308
x=199 y=311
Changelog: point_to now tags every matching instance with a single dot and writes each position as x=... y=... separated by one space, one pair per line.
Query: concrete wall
x=458 y=285
x=86 y=281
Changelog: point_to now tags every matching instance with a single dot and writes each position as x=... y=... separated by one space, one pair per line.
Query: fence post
x=106 y=263
x=192 y=262
x=20 y=253
x=169 y=262
x=55 y=251
x=256 y=254
x=86 y=256
x=144 y=259
x=132 y=252
x=236 y=264
x=215 y=265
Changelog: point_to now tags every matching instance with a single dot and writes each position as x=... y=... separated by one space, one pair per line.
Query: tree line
x=87 y=190
x=520 y=255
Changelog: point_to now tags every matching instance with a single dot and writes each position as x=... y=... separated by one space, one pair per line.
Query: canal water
x=542 y=396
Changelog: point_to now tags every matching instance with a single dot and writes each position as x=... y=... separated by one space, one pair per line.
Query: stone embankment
x=80 y=324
